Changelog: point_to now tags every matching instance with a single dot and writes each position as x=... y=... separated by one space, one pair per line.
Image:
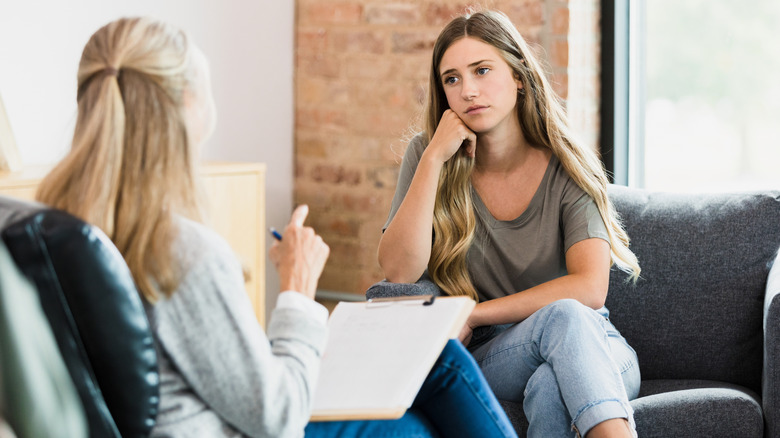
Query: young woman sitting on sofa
x=498 y=201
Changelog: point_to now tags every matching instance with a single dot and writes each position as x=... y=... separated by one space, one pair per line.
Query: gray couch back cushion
x=696 y=313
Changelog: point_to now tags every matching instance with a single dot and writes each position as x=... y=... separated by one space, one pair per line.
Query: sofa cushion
x=669 y=408
x=696 y=312
x=672 y=408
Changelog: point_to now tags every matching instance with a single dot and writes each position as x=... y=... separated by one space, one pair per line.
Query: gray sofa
x=704 y=318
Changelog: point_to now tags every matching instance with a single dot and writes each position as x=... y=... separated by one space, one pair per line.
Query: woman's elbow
x=596 y=296
x=395 y=275
x=397 y=270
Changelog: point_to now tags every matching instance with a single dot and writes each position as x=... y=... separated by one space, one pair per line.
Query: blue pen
x=275 y=233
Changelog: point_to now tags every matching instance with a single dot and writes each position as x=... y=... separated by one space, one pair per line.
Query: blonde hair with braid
x=544 y=123
x=131 y=166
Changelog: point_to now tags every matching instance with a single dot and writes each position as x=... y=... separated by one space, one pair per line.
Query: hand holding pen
x=300 y=257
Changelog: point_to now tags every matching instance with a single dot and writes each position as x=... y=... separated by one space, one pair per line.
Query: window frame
x=622 y=90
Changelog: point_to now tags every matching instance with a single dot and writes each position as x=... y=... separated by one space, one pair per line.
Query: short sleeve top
x=511 y=256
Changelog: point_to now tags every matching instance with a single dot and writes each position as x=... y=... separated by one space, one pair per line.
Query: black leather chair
x=90 y=300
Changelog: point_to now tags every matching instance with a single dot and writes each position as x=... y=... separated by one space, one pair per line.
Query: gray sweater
x=220 y=376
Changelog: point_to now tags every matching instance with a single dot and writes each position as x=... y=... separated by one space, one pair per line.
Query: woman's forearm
x=517 y=307
x=587 y=281
x=405 y=247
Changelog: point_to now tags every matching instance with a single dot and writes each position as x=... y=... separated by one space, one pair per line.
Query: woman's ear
x=518 y=81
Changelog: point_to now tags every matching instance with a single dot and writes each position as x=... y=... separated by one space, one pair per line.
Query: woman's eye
x=482 y=70
x=450 y=80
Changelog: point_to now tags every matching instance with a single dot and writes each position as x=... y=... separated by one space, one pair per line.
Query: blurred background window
x=710 y=83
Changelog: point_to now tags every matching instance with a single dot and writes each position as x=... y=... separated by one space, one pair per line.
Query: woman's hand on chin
x=450 y=136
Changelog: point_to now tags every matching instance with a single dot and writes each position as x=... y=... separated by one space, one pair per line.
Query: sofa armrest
x=770 y=391
x=385 y=289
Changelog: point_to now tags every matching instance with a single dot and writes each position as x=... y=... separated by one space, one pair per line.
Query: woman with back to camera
x=144 y=108
x=519 y=218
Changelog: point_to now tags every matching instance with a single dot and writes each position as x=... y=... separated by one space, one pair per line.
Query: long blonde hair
x=131 y=166
x=544 y=123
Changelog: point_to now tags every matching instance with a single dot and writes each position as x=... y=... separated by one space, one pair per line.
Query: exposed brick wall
x=361 y=76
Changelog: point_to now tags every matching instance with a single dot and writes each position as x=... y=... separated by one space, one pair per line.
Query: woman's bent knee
x=569 y=309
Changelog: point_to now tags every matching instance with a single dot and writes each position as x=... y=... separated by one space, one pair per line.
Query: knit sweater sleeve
x=261 y=385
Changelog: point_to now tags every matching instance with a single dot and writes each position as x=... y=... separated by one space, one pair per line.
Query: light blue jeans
x=566 y=363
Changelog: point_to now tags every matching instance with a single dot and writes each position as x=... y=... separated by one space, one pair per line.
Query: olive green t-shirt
x=511 y=256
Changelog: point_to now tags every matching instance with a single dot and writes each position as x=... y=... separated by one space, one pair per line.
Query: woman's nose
x=469 y=89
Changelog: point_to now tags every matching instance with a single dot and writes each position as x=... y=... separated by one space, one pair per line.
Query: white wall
x=249 y=44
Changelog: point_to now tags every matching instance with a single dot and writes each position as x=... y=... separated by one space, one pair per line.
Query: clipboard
x=379 y=353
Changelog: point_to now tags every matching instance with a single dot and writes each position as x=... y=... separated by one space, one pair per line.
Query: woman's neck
x=502 y=152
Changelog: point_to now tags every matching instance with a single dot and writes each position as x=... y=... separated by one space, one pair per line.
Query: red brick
x=315 y=195
x=532 y=35
x=415 y=41
x=392 y=13
x=381 y=177
x=311 y=40
x=318 y=91
x=440 y=13
x=560 y=21
x=331 y=119
x=320 y=12
x=392 y=96
x=374 y=119
x=354 y=201
x=335 y=174
x=354 y=41
x=376 y=148
x=349 y=253
x=343 y=227
x=310 y=147
x=319 y=65
x=559 y=53
x=390 y=66
x=525 y=13
x=338 y=279
x=560 y=84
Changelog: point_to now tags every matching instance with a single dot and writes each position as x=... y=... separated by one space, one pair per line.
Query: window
x=703 y=104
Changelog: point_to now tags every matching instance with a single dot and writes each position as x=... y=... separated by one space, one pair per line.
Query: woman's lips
x=475 y=109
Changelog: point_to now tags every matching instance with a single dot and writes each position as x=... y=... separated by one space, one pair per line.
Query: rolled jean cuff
x=599 y=411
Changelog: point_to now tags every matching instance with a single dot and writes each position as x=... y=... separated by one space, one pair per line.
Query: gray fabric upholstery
x=770 y=388
x=697 y=311
x=705 y=316
x=385 y=289
x=676 y=408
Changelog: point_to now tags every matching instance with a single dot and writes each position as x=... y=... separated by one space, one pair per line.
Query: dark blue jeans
x=454 y=401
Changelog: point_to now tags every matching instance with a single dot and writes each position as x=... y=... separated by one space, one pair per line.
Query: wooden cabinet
x=236 y=205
